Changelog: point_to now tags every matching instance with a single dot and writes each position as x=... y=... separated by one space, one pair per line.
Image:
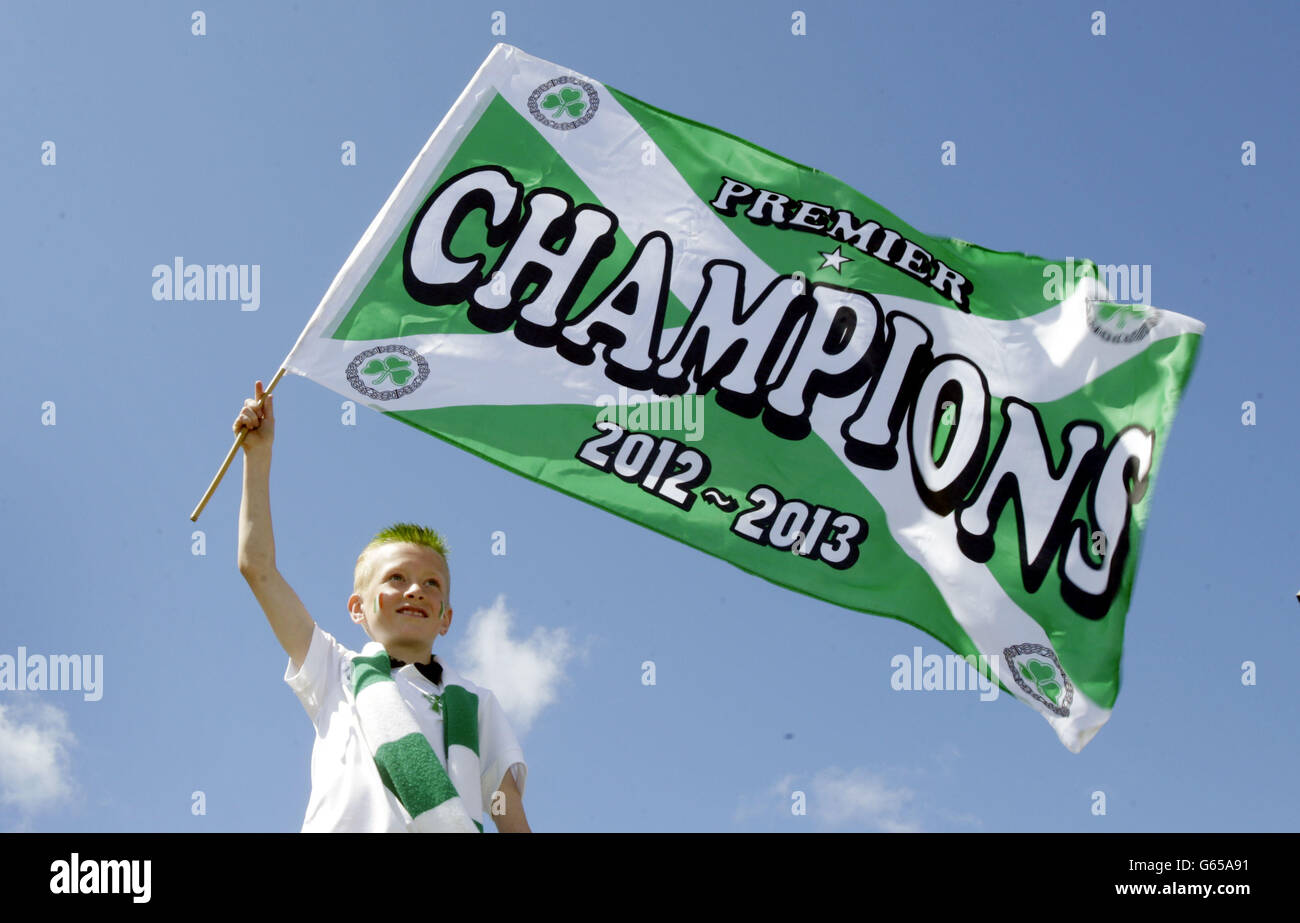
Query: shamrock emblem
x=392 y=367
x=1042 y=675
x=1120 y=313
x=435 y=702
x=567 y=100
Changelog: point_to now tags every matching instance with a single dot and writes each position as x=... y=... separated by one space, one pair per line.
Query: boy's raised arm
x=289 y=618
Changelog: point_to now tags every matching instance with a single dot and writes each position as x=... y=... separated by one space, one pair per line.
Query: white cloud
x=524 y=674
x=860 y=798
x=34 y=764
x=838 y=799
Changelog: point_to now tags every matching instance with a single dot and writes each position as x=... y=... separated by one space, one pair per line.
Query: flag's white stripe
x=1019 y=359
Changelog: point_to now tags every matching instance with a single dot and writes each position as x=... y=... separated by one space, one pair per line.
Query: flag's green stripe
x=501 y=136
x=1007 y=285
x=367 y=670
x=460 y=716
x=1142 y=391
x=410 y=769
x=539 y=443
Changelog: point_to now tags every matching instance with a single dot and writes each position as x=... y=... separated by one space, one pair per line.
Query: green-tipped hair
x=398 y=532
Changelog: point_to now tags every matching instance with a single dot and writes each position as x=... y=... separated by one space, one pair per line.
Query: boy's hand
x=258 y=418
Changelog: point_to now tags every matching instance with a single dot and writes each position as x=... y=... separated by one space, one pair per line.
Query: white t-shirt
x=347 y=794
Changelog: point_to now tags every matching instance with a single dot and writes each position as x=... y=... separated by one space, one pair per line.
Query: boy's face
x=405 y=605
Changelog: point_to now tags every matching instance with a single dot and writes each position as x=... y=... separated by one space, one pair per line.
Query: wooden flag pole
x=230 y=456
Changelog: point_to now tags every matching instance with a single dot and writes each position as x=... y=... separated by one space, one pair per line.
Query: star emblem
x=834 y=259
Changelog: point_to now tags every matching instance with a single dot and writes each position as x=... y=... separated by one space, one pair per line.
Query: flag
x=749 y=356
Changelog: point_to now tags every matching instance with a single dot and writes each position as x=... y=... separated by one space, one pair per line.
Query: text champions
x=773 y=353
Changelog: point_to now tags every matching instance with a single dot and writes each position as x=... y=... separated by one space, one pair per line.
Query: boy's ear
x=354 y=610
x=446 y=622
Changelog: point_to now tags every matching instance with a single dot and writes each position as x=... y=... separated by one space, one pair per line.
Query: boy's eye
x=432 y=581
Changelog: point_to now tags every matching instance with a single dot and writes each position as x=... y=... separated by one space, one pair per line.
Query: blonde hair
x=401 y=532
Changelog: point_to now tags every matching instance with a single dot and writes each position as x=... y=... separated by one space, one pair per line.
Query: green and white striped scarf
x=403 y=755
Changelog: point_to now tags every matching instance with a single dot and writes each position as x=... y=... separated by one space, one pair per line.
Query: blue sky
x=224 y=148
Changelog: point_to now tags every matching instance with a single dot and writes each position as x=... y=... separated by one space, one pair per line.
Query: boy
x=403 y=743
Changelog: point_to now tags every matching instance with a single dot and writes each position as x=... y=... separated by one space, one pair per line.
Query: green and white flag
x=751 y=357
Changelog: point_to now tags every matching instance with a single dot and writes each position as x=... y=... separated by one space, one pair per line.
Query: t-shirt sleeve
x=499 y=749
x=319 y=669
